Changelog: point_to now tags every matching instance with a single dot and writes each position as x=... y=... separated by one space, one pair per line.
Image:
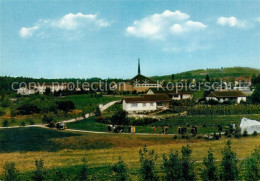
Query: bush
x=2 y=112
x=65 y=106
x=5 y=123
x=148 y=159
x=245 y=133
x=120 y=170
x=10 y=172
x=254 y=133
x=39 y=173
x=22 y=123
x=249 y=168
x=47 y=119
x=83 y=175
x=175 y=137
x=6 y=102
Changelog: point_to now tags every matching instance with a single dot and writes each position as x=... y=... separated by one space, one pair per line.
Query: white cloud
x=230 y=21
x=160 y=26
x=27 y=32
x=69 y=22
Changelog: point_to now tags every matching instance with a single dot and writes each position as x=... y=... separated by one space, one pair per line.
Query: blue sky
x=83 y=39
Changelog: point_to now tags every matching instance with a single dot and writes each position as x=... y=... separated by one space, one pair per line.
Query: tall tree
x=187 y=164
x=209 y=172
x=228 y=167
x=207 y=78
x=148 y=159
x=172 y=166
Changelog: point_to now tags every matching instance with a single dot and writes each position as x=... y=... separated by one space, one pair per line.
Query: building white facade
x=146 y=103
x=222 y=96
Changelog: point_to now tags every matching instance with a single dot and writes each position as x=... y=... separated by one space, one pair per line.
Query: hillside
x=230 y=72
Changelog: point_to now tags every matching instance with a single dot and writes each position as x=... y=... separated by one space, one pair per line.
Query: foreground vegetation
x=70 y=148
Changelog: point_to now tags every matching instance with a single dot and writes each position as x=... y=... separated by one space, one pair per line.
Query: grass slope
x=213 y=73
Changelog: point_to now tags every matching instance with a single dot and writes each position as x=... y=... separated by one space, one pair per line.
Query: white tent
x=250 y=125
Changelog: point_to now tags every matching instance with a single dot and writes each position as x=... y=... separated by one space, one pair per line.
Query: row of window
x=144 y=104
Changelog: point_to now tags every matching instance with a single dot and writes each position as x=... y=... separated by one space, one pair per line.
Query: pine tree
x=148 y=159
x=210 y=172
x=120 y=170
x=172 y=166
x=228 y=167
x=187 y=164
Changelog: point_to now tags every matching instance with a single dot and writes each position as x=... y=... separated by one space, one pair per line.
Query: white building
x=146 y=103
x=173 y=94
x=222 y=96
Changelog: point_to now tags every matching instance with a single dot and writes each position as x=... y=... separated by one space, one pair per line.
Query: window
x=144 y=104
x=159 y=104
x=134 y=104
x=151 y=104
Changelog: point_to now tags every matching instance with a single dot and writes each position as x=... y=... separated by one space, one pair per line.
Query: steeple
x=139 y=69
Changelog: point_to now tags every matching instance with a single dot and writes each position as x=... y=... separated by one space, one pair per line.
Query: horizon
x=130 y=77
x=104 y=39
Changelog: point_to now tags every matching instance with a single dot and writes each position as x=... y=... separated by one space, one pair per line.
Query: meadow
x=101 y=150
x=83 y=102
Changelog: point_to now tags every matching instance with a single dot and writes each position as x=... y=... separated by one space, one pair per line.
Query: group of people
x=119 y=128
x=164 y=129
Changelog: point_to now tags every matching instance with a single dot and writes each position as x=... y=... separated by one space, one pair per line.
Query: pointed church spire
x=139 y=69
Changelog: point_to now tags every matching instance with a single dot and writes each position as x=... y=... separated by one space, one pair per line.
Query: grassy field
x=70 y=148
x=86 y=101
x=205 y=124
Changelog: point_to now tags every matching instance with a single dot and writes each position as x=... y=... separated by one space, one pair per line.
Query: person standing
x=154 y=129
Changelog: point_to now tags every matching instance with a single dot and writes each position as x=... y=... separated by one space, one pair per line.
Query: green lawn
x=88 y=102
x=90 y=124
x=30 y=139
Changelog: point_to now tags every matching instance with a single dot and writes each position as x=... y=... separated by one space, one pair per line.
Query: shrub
x=10 y=172
x=6 y=102
x=83 y=175
x=47 y=119
x=199 y=137
x=2 y=112
x=120 y=170
x=175 y=137
x=254 y=133
x=148 y=159
x=22 y=123
x=39 y=173
x=5 y=123
x=65 y=106
x=245 y=133
x=249 y=168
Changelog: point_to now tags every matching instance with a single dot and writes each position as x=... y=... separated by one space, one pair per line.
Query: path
x=102 y=108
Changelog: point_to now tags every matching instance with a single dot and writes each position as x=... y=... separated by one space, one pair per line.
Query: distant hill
x=227 y=73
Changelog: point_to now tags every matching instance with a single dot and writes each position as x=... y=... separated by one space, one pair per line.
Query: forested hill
x=231 y=72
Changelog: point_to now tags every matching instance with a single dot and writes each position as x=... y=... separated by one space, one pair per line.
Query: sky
x=84 y=39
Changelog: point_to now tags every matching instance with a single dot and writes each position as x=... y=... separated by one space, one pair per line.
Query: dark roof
x=226 y=94
x=174 y=91
x=142 y=79
x=149 y=98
